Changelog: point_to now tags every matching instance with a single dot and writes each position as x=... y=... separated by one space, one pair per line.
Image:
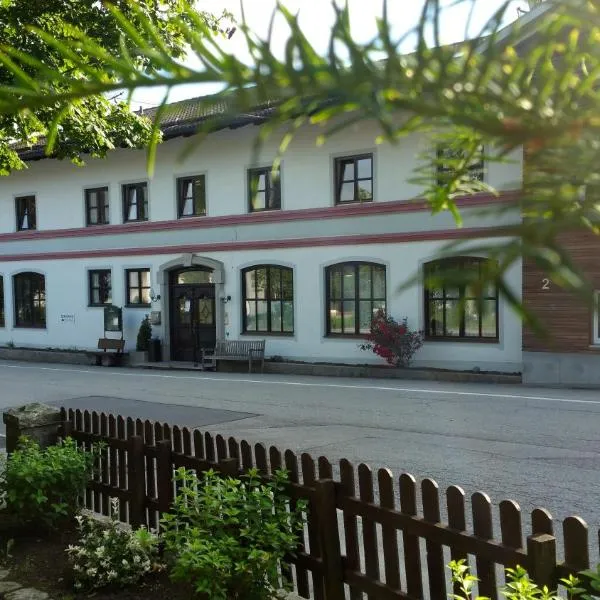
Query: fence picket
x=541 y=521
x=87 y=428
x=246 y=455
x=139 y=428
x=389 y=534
x=482 y=527
x=198 y=444
x=435 y=556
x=95 y=429
x=187 y=441
x=122 y=478
x=234 y=451
x=158 y=432
x=221 y=448
x=177 y=441
x=150 y=473
x=260 y=452
x=575 y=531
x=348 y=489
x=209 y=447
x=510 y=525
x=105 y=463
x=410 y=542
x=274 y=458
x=291 y=464
x=455 y=503
x=369 y=527
x=113 y=454
x=325 y=468
x=309 y=478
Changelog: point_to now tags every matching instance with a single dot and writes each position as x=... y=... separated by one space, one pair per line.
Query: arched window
x=355 y=292
x=459 y=304
x=268 y=299
x=30 y=300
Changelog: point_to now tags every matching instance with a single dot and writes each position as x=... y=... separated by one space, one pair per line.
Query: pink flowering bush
x=393 y=341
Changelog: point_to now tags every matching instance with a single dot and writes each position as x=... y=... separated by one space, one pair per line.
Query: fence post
x=541 y=550
x=329 y=539
x=164 y=476
x=136 y=481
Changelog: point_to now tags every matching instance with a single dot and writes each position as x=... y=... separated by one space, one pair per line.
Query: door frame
x=163 y=280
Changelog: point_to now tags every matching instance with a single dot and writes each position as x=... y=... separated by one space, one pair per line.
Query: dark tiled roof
x=183 y=118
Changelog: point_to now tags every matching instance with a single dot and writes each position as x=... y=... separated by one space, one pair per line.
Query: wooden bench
x=103 y=356
x=239 y=350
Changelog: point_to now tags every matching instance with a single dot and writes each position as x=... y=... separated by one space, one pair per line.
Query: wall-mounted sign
x=113 y=318
x=67 y=318
x=155 y=317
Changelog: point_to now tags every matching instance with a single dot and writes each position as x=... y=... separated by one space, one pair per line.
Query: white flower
x=111 y=574
x=100 y=551
x=105 y=534
x=136 y=560
x=124 y=563
x=92 y=571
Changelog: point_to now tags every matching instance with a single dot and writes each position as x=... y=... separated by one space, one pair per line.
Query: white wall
x=66 y=291
x=307 y=175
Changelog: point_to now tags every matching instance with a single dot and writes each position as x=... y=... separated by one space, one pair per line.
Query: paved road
x=539 y=447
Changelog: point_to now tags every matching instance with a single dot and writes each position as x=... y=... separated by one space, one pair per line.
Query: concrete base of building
x=561 y=369
x=69 y=357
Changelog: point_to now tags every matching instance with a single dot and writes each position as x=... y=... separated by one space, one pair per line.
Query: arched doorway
x=192 y=312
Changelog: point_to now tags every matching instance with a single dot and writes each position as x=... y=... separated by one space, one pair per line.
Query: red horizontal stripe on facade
x=276 y=216
x=347 y=240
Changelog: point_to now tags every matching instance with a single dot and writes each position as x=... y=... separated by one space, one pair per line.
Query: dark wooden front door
x=192 y=307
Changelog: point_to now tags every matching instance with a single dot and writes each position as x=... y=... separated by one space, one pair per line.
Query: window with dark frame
x=138 y=287
x=461 y=310
x=30 y=300
x=25 y=211
x=449 y=159
x=264 y=189
x=135 y=202
x=268 y=299
x=191 y=196
x=96 y=206
x=100 y=286
x=354 y=179
x=355 y=291
x=2 y=319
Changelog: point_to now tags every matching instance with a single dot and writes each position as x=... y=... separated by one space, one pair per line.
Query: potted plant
x=142 y=344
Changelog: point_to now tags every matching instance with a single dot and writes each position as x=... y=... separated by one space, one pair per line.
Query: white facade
x=307 y=234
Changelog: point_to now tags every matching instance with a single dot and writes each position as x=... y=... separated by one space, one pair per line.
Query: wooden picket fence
x=375 y=547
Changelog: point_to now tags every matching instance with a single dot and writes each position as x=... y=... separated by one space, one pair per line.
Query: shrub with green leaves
x=43 y=487
x=110 y=553
x=228 y=536
x=518 y=585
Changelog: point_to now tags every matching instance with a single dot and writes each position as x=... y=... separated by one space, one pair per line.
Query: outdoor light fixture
x=154 y=297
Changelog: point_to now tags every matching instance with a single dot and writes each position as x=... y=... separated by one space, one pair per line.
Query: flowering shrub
x=391 y=340
x=111 y=554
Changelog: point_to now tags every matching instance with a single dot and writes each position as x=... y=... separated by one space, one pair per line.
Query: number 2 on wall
x=545 y=284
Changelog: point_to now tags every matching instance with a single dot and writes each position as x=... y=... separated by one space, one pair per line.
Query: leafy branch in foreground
x=533 y=85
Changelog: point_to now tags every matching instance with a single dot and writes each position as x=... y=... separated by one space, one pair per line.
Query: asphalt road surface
x=540 y=447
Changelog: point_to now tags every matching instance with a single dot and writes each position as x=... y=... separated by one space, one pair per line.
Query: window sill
x=346 y=336
x=286 y=334
x=98 y=305
x=262 y=210
x=138 y=305
x=198 y=216
x=338 y=203
x=463 y=340
x=97 y=224
x=29 y=327
x=134 y=221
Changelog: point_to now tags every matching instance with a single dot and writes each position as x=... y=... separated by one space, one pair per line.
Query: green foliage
x=42 y=487
x=518 y=587
x=111 y=554
x=144 y=336
x=227 y=536
x=93 y=125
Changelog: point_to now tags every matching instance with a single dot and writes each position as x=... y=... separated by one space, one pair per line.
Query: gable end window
x=268 y=299
x=467 y=310
x=137 y=284
x=96 y=206
x=264 y=189
x=2 y=319
x=449 y=161
x=100 y=287
x=354 y=179
x=355 y=292
x=191 y=196
x=30 y=300
x=135 y=202
x=25 y=211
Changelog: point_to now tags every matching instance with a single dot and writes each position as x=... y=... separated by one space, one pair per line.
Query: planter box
x=137 y=358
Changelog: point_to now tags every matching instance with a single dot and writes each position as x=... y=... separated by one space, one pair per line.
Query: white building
x=337 y=237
